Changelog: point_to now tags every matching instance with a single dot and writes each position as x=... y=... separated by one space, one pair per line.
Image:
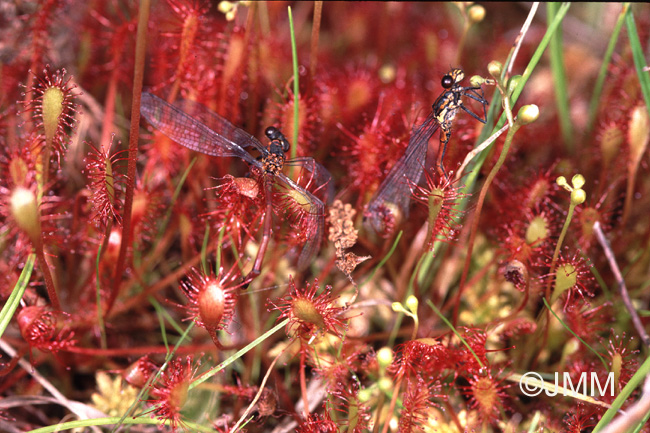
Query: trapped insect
x=197 y=128
x=392 y=198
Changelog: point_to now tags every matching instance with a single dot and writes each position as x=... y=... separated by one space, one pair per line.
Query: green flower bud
x=24 y=210
x=412 y=304
x=578 y=181
x=476 y=14
x=578 y=196
x=528 y=114
x=495 y=68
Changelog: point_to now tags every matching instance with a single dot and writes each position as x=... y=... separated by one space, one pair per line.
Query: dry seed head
x=342 y=231
x=517 y=273
x=349 y=262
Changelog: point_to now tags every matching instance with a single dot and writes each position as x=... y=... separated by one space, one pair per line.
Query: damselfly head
x=274 y=134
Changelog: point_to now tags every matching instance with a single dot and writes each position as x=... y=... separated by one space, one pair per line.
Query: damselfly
x=197 y=128
x=394 y=194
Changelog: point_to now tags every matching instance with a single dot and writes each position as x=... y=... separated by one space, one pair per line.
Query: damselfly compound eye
x=447 y=81
x=272 y=133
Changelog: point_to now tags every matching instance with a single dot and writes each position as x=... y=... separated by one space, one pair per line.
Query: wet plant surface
x=279 y=217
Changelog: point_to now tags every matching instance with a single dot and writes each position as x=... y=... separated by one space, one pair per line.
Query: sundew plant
x=324 y=216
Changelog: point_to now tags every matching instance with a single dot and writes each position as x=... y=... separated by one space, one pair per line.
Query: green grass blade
x=634 y=382
x=448 y=323
x=600 y=81
x=12 y=303
x=384 y=260
x=532 y=64
x=639 y=59
x=239 y=354
x=575 y=335
x=560 y=79
x=296 y=90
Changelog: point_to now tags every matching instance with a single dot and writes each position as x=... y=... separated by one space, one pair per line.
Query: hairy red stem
x=138 y=75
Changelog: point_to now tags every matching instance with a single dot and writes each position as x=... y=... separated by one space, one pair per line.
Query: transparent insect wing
x=319 y=176
x=194 y=135
x=395 y=190
x=312 y=220
x=217 y=123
